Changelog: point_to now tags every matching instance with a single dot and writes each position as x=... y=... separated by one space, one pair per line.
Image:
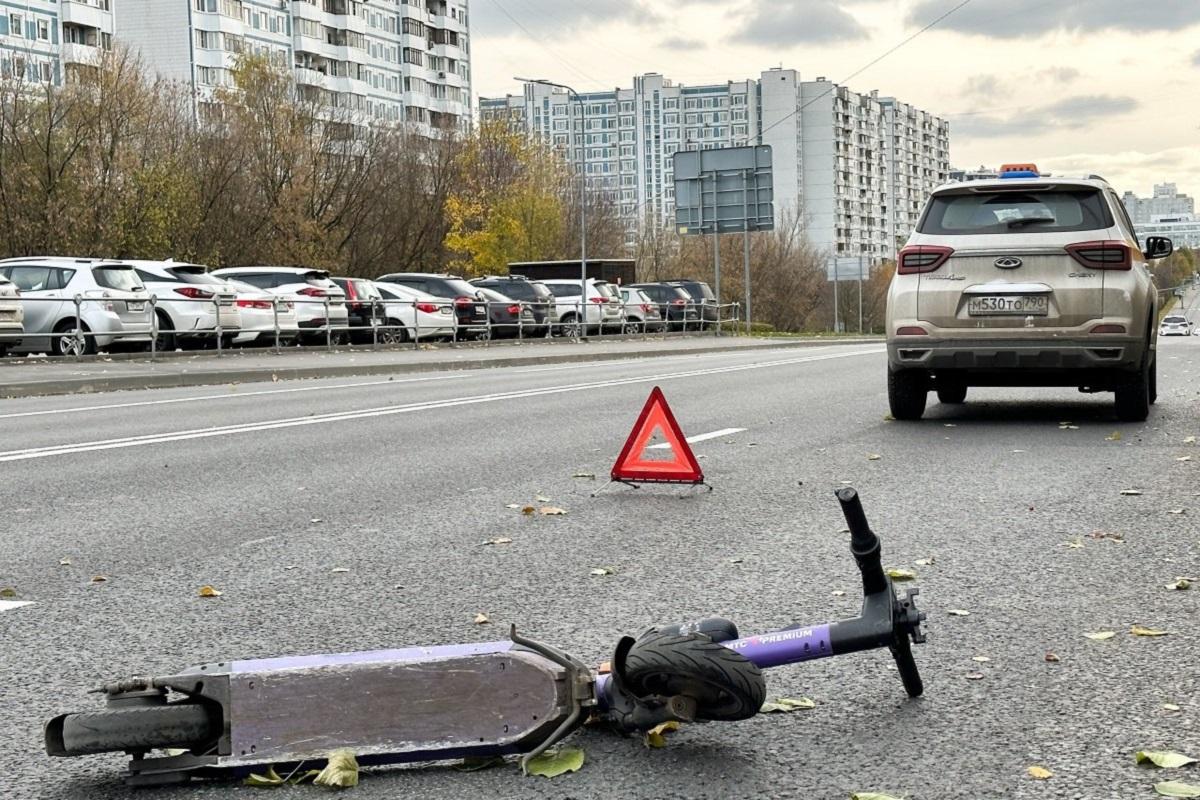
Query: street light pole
x=583 y=298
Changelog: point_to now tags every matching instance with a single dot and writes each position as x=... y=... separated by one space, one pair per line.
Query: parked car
x=469 y=311
x=533 y=295
x=309 y=289
x=674 y=305
x=362 y=307
x=1023 y=281
x=1175 y=325
x=12 y=316
x=701 y=296
x=602 y=311
x=509 y=317
x=409 y=314
x=115 y=311
x=261 y=312
x=641 y=312
x=188 y=303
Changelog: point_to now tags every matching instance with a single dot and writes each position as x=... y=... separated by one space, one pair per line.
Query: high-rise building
x=383 y=60
x=44 y=41
x=1166 y=202
x=853 y=168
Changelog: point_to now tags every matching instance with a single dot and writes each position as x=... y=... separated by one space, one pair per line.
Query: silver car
x=313 y=292
x=12 y=316
x=190 y=304
x=1175 y=325
x=106 y=300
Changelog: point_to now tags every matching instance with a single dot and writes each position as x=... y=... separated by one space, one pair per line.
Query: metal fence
x=83 y=325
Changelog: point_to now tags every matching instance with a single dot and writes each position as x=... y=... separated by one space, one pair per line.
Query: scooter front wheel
x=725 y=684
x=182 y=725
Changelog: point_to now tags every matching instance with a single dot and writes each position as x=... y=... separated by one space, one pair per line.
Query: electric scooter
x=509 y=698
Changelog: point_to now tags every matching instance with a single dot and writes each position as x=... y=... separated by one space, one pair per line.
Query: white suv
x=603 y=313
x=310 y=290
x=1023 y=281
x=12 y=316
x=189 y=304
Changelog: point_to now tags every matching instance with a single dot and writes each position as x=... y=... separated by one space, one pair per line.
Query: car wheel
x=1133 y=398
x=165 y=342
x=1154 y=380
x=393 y=332
x=632 y=327
x=569 y=327
x=952 y=394
x=63 y=343
x=908 y=391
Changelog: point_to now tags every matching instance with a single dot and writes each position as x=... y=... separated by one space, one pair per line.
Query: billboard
x=728 y=190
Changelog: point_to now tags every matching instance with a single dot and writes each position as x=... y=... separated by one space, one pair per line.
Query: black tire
x=154 y=727
x=1154 y=380
x=952 y=394
x=1132 y=399
x=907 y=667
x=908 y=391
x=61 y=345
x=166 y=333
x=725 y=684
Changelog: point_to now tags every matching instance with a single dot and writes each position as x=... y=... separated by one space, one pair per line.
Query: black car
x=674 y=304
x=469 y=308
x=510 y=318
x=362 y=307
x=532 y=294
x=701 y=295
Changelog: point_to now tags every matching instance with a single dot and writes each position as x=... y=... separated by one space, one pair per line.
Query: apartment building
x=1165 y=202
x=835 y=151
x=44 y=41
x=383 y=61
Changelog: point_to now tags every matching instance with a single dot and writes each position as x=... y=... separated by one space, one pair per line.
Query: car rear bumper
x=1015 y=355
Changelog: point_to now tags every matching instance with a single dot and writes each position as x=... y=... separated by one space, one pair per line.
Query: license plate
x=1037 y=305
x=136 y=306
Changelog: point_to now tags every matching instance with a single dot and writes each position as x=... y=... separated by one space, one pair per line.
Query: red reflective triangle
x=631 y=464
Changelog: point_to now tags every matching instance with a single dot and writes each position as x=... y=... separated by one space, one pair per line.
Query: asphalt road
x=264 y=490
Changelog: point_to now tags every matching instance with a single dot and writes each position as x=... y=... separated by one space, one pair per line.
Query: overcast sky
x=1105 y=86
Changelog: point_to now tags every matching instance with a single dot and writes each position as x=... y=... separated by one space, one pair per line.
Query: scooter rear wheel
x=725 y=684
x=148 y=728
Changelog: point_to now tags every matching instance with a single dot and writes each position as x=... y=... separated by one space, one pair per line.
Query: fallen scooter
x=515 y=697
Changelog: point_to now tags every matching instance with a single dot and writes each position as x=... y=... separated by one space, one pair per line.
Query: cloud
x=1026 y=19
x=681 y=43
x=507 y=17
x=1068 y=113
x=1133 y=170
x=787 y=23
x=987 y=88
x=1058 y=74
x=1196 y=59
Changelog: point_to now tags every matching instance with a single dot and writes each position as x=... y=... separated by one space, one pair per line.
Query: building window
x=16 y=25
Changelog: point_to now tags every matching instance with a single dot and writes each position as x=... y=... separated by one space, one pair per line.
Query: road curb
x=184 y=378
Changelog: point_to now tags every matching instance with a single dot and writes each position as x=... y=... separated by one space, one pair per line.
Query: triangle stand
x=634 y=469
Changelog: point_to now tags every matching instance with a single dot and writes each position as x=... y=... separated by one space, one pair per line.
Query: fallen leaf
x=599 y=571
x=1190 y=440
x=481 y=619
x=981 y=659
x=959 y=612
x=873 y=796
x=590 y=475
x=341 y=772
x=949 y=425
x=64 y=562
x=552 y=511
x=553 y=763
x=897 y=574
x=1074 y=544
x=267 y=780
x=476 y=764
x=888 y=418
x=1170 y=707
x=99 y=579
x=1177 y=789
x=839 y=593
x=315 y=521
x=1181 y=585
x=501 y=540
x=974 y=676
x=1039 y=773
x=925 y=562
x=1100 y=636
x=1184 y=458
x=1115 y=537
x=1131 y=492
x=1020 y=451
x=1163 y=758
x=1177 y=511
x=1052 y=658
x=8 y=593
x=513 y=505
x=1139 y=630
x=737 y=560
x=208 y=591
x=528 y=511
x=656 y=736
x=541 y=498
x=787 y=705
x=874 y=457
x=1115 y=436
x=339 y=570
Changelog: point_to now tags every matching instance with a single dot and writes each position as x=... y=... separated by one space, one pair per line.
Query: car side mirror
x=1159 y=247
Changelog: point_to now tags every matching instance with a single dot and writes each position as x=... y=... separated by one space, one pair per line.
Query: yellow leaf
x=99 y=579
x=8 y=593
x=1139 y=630
x=553 y=763
x=481 y=619
x=1163 y=758
x=1115 y=436
x=552 y=511
x=1177 y=789
x=1040 y=773
x=269 y=779
x=787 y=705
x=528 y=511
x=208 y=591
x=656 y=736
x=898 y=574
x=873 y=796
x=341 y=772
x=874 y=457
x=1100 y=636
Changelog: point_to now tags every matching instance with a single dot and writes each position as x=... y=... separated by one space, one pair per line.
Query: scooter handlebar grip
x=861 y=536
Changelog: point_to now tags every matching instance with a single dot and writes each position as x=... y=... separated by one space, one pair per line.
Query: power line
x=541 y=43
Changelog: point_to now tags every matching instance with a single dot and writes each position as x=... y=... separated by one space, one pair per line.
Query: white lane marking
x=704 y=437
x=382 y=411
x=9 y=605
x=456 y=376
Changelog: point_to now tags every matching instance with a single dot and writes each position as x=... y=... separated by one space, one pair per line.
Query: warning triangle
x=633 y=467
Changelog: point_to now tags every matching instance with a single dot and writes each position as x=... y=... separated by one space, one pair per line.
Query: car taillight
x=514 y=309
x=912 y=330
x=1102 y=255
x=463 y=301
x=351 y=292
x=646 y=308
x=428 y=308
x=260 y=304
x=313 y=291
x=922 y=258
x=598 y=299
x=194 y=293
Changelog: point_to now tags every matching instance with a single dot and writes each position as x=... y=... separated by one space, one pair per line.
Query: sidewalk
x=37 y=377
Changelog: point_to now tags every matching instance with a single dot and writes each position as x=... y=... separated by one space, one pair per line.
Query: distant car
x=533 y=294
x=409 y=314
x=701 y=296
x=1023 y=280
x=469 y=311
x=1175 y=325
x=602 y=312
x=261 y=311
x=310 y=289
x=509 y=317
x=641 y=312
x=115 y=311
x=362 y=307
x=675 y=305
x=12 y=316
x=188 y=303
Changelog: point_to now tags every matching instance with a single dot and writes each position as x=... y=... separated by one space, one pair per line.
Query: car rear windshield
x=1024 y=211
x=194 y=276
x=123 y=279
x=606 y=290
x=1175 y=320
x=458 y=288
x=518 y=290
x=563 y=289
x=697 y=290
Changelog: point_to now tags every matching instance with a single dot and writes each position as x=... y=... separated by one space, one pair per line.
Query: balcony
x=75 y=12
x=85 y=54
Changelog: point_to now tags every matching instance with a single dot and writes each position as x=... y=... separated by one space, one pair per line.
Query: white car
x=12 y=316
x=190 y=304
x=262 y=314
x=114 y=307
x=309 y=289
x=641 y=312
x=410 y=314
x=603 y=310
x=1175 y=325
